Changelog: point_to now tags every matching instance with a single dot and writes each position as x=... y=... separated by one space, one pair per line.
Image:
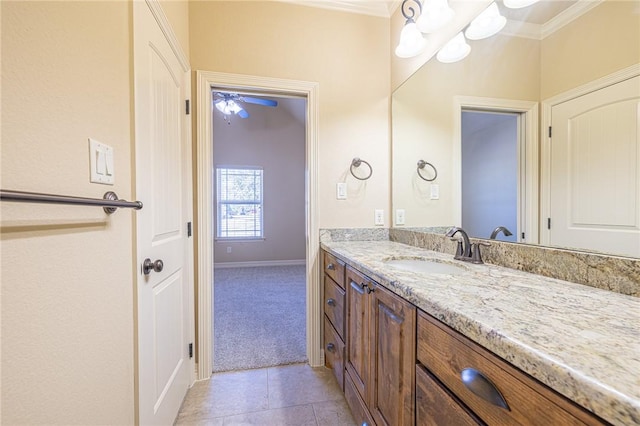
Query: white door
x=595 y=171
x=162 y=185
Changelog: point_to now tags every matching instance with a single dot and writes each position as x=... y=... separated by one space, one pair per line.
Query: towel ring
x=356 y=162
x=421 y=165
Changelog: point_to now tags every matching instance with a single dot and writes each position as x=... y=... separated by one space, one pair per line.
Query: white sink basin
x=426 y=266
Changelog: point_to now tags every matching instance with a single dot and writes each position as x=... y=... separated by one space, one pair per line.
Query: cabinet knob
x=331 y=267
x=331 y=302
x=331 y=347
x=481 y=386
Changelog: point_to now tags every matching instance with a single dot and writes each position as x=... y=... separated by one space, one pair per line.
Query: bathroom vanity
x=415 y=337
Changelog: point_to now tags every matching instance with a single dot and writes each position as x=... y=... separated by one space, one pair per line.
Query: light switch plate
x=399 y=216
x=341 y=191
x=435 y=191
x=101 y=163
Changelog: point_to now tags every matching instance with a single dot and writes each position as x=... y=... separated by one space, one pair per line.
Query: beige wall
x=346 y=53
x=67 y=272
x=604 y=40
x=273 y=139
x=423 y=118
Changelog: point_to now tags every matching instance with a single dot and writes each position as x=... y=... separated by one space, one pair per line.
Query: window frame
x=220 y=203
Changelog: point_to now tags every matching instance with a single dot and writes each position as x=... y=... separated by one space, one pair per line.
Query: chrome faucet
x=466 y=251
x=499 y=229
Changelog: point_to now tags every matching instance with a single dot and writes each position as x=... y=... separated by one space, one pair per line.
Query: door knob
x=149 y=266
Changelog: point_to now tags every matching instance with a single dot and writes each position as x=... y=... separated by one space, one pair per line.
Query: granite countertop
x=581 y=341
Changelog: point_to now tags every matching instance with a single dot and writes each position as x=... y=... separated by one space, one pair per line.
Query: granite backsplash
x=614 y=273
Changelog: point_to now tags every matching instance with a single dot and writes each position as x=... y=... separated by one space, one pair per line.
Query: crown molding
x=542 y=31
x=567 y=16
x=383 y=9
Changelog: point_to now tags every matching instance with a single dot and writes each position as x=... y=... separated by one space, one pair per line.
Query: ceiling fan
x=230 y=103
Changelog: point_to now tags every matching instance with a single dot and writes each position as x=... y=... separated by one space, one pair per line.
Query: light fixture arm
x=409 y=11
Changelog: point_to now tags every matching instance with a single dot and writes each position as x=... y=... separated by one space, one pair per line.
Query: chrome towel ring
x=356 y=162
x=421 y=165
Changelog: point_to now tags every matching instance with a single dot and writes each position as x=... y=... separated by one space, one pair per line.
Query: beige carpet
x=259 y=317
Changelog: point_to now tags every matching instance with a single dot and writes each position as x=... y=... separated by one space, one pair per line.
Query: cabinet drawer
x=334 y=352
x=334 y=268
x=334 y=304
x=436 y=406
x=356 y=404
x=446 y=353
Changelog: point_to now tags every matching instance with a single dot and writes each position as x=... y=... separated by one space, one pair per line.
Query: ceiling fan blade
x=258 y=101
x=243 y=114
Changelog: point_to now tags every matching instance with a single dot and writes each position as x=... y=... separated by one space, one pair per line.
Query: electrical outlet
x=228 y=249
x=400 y=217
x=379 y=217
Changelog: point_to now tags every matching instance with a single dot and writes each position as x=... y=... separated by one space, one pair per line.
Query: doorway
x=259 y=221
x=527 y=158
x=491 y=174
x=206 y=80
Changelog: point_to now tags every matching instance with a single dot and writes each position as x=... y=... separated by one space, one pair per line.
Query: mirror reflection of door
x=595 y=157
x=490 y=173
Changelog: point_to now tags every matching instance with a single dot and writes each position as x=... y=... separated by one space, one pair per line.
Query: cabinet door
x=357 y=342
x=392 y=322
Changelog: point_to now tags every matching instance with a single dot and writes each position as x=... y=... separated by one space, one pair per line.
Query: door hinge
x=190 y=350
x=548 y=223
x=549 y=131
x=188 y=229
x=188 y=107
x=523 y=235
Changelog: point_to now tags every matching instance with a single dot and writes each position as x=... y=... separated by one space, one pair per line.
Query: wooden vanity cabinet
x=494 y=390
x=380 y=352
x=334 y=313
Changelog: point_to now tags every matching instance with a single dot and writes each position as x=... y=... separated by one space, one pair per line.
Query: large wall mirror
x=483 y=123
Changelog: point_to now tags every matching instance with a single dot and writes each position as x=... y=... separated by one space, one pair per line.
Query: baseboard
x=259 y=263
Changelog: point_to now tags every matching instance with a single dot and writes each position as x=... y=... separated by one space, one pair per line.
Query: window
x=239 y=198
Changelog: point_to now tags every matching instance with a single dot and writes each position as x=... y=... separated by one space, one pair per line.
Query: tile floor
x=285 y=395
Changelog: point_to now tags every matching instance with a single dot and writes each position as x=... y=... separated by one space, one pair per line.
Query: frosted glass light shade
x=435 y=15
x=455 y=50
x=227 y=107
x=518 y=4
x=412 y=43
x=486 y=24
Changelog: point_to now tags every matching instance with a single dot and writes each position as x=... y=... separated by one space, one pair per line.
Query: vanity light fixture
x=412 y=43
x=436 y=14
x=518 y=4
x=488 y=23
x=455 y=50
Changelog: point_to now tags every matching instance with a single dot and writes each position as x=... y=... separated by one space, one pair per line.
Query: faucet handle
x=476 y=255
x=459 y=250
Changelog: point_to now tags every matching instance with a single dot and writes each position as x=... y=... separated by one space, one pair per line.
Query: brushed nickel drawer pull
x=477 y=383
x=331 y=302
x=331 y=267
x=331 y=347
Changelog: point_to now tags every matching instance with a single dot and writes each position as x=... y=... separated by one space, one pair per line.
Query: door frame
x=545 y=140
x=163 y=23
x=204 y=232
x=529 y=117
